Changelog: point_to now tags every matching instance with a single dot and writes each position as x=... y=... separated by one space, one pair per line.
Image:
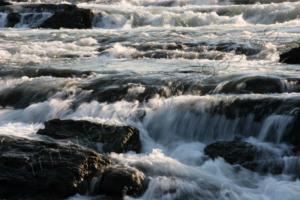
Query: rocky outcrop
x=53 y=16
x=35 y=169
x=291 y=57
x=101 y=137
x=72 y=17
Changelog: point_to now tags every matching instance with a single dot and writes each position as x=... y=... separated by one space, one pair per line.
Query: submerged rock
x=29 y=92
x=101 y=137
x=246 y=155
x=41 y=170
x=121 y=180
x=291 y=57
x=252 y=84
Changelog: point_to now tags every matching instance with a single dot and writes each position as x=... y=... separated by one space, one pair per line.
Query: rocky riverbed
x=149 y=99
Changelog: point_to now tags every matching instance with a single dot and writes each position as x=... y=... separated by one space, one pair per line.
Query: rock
x=121 y=180
x=37 y=72
x=49 y=16
x=234 y=152
x=246 y=155
x=70 y=18
x=29 y=92
x=41 y=170
x=101 y=137
x=4 y=3
x=252 y=84
x=12 y=19
x=291 y=57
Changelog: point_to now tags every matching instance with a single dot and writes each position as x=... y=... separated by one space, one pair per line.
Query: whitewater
x=185 y=73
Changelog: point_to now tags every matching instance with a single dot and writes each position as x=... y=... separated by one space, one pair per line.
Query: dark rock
x=252 y=84
x=12 y=19
x=22 y=95
x=246 y=155
x=291 y=57
x=62 y=16
x=234 y=152
x=120 y=180
x=37 y=72
x=70 y=18
x=117 y=139
x=4 y=3
x=40 y=170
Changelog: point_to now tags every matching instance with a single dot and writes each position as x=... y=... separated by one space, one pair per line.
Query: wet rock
x=234 y=152
x=72 y=17
x=121 y=180
x=37 y=72
x=41 y=170
x=260 y=108
x=246 y=155
x=12 y=19
x=291 y=57
x=292 y=134
x=27 y=93
x=252 y=84
x=116 y=88
x=49 y=16
x=101 y=137
x=4 y=3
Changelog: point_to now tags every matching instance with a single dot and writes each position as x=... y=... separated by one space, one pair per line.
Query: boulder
x=291 y=57
x=120 y=180
x=101 y=137
x=41 y=170
x=247 y=155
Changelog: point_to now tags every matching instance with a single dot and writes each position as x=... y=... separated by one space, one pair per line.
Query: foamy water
x=166 y=67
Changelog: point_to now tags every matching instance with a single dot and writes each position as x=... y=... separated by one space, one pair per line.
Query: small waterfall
x=274 y=127
x=207 y=120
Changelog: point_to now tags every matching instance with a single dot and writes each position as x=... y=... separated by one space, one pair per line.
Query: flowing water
x=186 y=73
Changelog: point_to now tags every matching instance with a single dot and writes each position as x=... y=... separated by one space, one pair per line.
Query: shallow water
x=165 y=67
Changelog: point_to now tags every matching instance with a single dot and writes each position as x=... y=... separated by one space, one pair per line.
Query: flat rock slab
x=100 y=137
